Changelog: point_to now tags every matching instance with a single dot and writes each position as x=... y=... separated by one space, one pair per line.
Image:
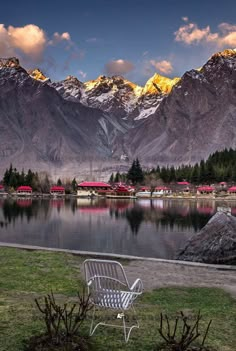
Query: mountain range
x=70 y=128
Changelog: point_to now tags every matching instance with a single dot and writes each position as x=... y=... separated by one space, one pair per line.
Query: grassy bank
x=25 y=275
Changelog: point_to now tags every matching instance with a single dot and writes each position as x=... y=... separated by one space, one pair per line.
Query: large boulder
x=215 y=243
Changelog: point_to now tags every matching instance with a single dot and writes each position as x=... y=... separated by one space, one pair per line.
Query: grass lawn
x=25 y=275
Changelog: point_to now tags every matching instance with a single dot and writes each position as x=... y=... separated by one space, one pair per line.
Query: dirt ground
x=159 y=274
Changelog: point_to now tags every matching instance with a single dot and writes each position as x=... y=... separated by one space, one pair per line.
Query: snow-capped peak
x=37 y=74
x=158 y=84
x=9 y=62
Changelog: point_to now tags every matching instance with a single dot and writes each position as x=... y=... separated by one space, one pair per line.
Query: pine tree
x=6 y=178
x=135 y=173
x=195 y=174
x=29 y=178
x=117 y=178
x=111 y=180
x=139 y=172
x=59 y=182
x=74 y=184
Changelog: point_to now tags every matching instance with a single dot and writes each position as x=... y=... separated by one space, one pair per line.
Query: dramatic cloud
x=190 y=34
x=82 y=74
x=118 y=67
x=29 y=40
x=162 y=66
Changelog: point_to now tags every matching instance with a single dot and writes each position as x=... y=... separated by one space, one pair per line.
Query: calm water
x=157 y=228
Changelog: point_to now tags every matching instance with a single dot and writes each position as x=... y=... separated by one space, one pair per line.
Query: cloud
x=82 y=74
x=163 y=66
x=30 y=40
x=118 y=67
x=57 y=38
x=6 y=48
x=191 y=34
x=185 y=19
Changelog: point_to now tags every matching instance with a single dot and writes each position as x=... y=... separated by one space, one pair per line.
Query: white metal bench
x=109 y=288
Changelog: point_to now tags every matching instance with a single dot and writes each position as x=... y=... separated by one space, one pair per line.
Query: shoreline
x=74 y=196
x=120 y=256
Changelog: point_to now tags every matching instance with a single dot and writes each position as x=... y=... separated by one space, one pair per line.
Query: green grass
x=25 y=275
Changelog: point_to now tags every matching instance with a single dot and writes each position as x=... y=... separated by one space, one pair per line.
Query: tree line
x=39 y=182
x=220 y=166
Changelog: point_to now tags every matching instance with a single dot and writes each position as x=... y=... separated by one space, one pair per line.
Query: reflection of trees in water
x=13 y=209
x=74 y=206
x=169 y=218
x=135 y=216
x=193 y=220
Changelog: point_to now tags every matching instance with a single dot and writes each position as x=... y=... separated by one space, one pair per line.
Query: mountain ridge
x=70 y=127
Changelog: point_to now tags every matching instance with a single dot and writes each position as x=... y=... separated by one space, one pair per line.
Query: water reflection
x=154 y=228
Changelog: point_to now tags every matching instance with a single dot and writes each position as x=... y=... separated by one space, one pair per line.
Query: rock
x=215 y=243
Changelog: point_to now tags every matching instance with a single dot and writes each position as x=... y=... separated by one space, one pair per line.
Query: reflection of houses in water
x=57 y=203
x=24 y=202
x=90 y=206
x=84 y=201
x=151 y=203
x=206 y=207
x=205 y=210
x=93 y=210
x=119 y=204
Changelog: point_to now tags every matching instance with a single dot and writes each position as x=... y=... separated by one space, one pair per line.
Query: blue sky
x=133 y=38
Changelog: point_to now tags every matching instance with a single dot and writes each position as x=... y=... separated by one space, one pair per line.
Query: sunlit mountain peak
x=38 y=75
x=158 y=84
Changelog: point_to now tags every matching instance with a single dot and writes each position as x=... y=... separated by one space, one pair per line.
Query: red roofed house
x=205 y=190
x=24 y=190
x=57 y=190
x=92 y=189
x=183 y=187
x=232 y=190
x=161 y=190
x=145 y=191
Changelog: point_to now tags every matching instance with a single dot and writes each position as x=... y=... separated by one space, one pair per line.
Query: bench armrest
x=137 y=287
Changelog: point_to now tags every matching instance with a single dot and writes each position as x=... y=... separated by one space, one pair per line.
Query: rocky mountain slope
x=197 y=118
x=41 y=130
x=69 y=126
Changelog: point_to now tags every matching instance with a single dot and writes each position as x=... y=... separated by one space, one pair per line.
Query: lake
x=151 y=228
